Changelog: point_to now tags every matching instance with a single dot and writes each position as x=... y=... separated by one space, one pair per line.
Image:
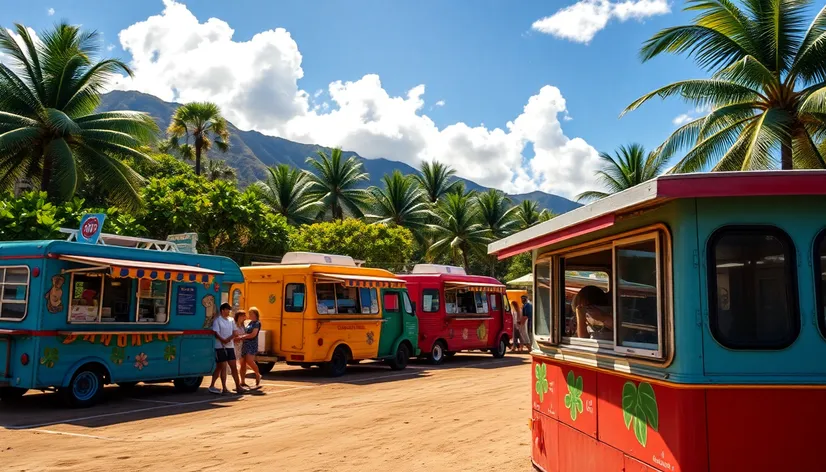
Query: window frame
x=28 y=292
x=358 y=300
x=658 y=353
x=819 y=267
x=557 y=343
x=552 y=296
x=586 y=343
x=135 y=295
x=284 y=303
x=792 y=291
x=398 y=296
x=438 y=297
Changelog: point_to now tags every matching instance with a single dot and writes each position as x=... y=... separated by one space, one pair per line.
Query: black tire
x=501 y=349
x=265 y=367
x=437 y=353
x=450 y=354
x=338 y=363
x=188 y=384
x=10 y=394
x=400 y=360
x=127 y=385
x=306 y=366
x=85 y=389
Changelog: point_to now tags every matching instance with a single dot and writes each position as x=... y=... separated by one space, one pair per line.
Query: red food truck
x=458 y=312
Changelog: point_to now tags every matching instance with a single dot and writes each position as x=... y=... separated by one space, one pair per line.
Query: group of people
x=522 y=325
x=236 y=344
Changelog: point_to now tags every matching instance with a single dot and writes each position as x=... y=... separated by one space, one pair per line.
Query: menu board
x=186 y=300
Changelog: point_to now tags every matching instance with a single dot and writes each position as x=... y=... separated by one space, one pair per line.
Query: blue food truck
x=76 y=316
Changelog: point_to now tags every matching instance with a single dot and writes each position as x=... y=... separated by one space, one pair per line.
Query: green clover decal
x=573 y=399
x=169 y=352
x=639 y=406
x=541 y=372
x=50 y=357
x=118 y=355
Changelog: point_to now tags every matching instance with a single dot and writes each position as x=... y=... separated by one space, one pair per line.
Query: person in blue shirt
x=527 y=315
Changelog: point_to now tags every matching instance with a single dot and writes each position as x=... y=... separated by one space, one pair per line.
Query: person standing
x=250 y=348
x=516 y=312
x=527 y=321
x=239 y=330
x=223 y=328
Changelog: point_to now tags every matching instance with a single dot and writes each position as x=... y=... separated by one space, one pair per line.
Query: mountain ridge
x=251 y=152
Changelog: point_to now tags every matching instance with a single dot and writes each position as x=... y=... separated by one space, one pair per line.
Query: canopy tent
x=524 y=281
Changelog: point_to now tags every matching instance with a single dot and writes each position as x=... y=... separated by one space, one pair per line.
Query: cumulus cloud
x=440 y=103
x=177 y=57
x=50 y=11
x=691 y=115
x=581 y=21
x=110 y=47
x=682 y=119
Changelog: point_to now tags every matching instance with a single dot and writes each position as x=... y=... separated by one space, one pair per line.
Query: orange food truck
x=459 y=312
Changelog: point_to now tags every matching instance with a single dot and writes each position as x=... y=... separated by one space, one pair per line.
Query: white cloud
x=691 y=115
x=581 y=21
x=176 y=57
x=440 y=103
x=110 y=47
x=50 y=11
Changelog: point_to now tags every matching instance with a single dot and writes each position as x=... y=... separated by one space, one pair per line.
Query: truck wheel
x=10 y=394
x=399 y=361
x=338 y=363
x=437 y=353
x=188 y=384
x=85 y=388
x=265 y=367
x=500 y=350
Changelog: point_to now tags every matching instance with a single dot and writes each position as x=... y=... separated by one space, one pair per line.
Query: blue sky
x=480 y=57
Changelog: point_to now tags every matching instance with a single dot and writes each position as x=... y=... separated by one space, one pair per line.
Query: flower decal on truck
x=118 y=355
x=50 y=357
x=169 y=352
x=639 y=408
x=573 y=399
x=541 y=374
x=141 y=361
x=370 y=338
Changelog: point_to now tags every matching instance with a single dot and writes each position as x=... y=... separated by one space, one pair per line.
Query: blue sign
x=91 y=226
x=186 y=300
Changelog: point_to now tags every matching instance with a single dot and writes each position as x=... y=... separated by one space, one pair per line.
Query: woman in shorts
x=249 y=348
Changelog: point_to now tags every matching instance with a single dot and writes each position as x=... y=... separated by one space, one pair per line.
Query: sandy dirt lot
x=470 y=414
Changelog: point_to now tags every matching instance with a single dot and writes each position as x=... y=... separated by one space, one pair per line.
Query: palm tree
x=287 y=192
x=49 y=133
x=457 y=229
x=528 y=214
x=628 y=167
x=767 y=91
x=497 y=217
x=219 y=170
x=202 y=123
x=436 y=179
x=400 y=202
x=335 y=183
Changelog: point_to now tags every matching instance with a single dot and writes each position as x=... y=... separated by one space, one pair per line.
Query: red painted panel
x=544 y=441
x=674 y=441
x=581 y=453
x=766 y=429
x=633 y=465
x=544 y=387
x=742 y=184
x=581 y=412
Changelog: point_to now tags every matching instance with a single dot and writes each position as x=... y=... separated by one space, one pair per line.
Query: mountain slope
x=251 y=152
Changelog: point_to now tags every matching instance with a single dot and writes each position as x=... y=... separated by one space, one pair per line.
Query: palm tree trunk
x=46 y=175
x=198 y=143
x=786 y=162
x=465 y=261
x=493 y=266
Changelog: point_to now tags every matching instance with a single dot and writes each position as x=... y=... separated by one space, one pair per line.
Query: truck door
x=294 y=302
x=392 y=321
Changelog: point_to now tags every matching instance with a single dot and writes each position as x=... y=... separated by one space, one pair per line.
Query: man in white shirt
x=222 y=326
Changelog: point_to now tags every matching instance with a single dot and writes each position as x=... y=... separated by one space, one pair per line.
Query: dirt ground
x=470 y=414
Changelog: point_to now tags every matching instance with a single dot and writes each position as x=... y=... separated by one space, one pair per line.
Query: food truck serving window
x=335 y=298
x=752 y=288
x=462 y=302
x=96 y=297
x=294 y=298
x=606 y=297
x=14 y=292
